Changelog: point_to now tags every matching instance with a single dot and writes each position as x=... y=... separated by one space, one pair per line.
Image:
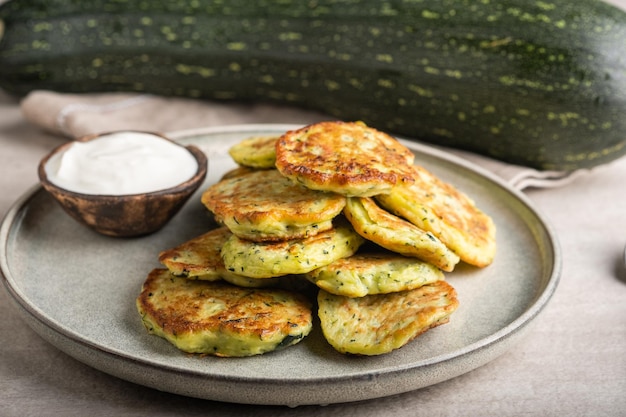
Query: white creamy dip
x=121 y=163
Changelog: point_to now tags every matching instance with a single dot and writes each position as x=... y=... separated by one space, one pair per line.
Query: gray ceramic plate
x=77 y=289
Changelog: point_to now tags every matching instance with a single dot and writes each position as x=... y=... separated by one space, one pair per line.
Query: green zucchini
x=537 y=83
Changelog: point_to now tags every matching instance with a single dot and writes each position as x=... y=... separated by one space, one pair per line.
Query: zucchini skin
x=535 y=83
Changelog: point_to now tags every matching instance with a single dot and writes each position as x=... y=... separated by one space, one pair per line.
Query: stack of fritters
x=342 y=206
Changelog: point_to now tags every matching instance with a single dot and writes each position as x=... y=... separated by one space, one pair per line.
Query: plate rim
x=520 y=323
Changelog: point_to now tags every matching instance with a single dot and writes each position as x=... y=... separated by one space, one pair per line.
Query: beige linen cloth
x=77 y=115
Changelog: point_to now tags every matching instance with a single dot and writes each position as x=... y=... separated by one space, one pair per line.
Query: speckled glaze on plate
x=77 y=289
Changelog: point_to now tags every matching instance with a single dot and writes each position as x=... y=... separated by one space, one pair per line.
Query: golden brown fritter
x=377 y=324
x=255 y=152
x=298 y=256
x=378 y=272
x=217 y=318
x=265 y=206
x=398 y=235
x=440 y=208
x=345 y=158
x=198 y=258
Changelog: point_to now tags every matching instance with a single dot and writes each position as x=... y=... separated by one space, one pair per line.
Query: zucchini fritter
x=221 y=319
x=265 y=206
x=373 y=273
x=255 y=152
x=273 y=259
x=346 y=158
x=438 y=207
x=398 y=235
x=200 y=258
x=377 y=324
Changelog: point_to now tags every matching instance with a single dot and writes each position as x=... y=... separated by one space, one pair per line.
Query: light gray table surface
x=572 y=362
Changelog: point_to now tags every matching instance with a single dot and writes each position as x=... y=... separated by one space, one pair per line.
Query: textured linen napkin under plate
x=77 y=115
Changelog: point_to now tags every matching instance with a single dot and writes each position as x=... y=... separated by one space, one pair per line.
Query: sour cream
x=121 y=163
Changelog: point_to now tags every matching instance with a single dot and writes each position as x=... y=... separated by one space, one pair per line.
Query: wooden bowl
x=126 y=215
